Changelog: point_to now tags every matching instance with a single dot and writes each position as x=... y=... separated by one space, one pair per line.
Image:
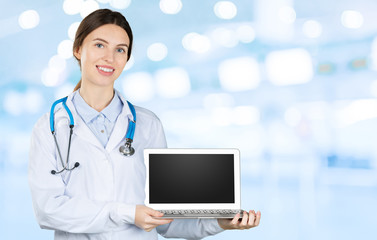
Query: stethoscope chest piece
x=127 y=149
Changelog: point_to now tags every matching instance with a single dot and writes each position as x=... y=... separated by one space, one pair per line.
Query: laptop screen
x=191 y=178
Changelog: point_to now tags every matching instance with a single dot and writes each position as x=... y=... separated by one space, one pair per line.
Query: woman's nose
x=108 y=56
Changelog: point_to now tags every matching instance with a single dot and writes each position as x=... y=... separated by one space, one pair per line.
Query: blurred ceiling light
x=120 y=4
x=239 y=74
x=225 y=9
x=245 y=33
x=58 y=63
x=312 y=29
x=72 y=7
x=225 y=37
x=173 y=82
x=352 y=19
x=292 y=116
x=157 y=52
x=138 y=87
x=215 y=100
x=287 y=14
x=88 y=7
x=28 y=19
x=129 y=63
x=51 y=77
x=72 y=30
x=245 y=115
x=196 y=43
x=357 y=111
x=286 y=67
x=65 y=49
x=170 y=6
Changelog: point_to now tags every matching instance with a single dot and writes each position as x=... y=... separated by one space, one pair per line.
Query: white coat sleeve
x=184 y=228
x=52 y=207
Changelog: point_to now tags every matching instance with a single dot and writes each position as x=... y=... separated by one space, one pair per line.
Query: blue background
x=309 y=158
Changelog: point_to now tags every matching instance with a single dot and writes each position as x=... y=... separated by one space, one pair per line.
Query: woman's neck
x=98 y=97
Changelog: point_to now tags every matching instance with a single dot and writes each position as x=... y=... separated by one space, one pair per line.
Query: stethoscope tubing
x=129 y=135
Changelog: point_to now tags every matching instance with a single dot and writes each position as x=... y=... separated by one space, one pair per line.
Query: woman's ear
x=77 y=53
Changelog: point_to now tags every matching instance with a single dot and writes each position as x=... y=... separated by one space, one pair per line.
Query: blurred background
x=292 y=84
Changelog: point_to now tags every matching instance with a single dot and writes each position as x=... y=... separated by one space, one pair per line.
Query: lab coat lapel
x=121 y=126
x=81 y=129
x=119 y=131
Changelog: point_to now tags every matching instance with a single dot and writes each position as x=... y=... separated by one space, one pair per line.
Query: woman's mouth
x=105 y=70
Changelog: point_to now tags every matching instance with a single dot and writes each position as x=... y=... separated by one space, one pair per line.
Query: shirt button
x=102 y=131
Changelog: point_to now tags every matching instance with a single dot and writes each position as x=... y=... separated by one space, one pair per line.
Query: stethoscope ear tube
x=52 y=128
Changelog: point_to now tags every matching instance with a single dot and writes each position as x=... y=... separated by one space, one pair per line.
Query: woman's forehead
x=111 y=33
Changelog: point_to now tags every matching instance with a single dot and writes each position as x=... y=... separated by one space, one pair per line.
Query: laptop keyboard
x=210 y=213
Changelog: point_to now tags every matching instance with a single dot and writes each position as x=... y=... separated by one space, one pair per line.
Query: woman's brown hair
x=95 y=20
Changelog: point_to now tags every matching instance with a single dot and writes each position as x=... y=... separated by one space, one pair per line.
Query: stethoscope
x=126 y=149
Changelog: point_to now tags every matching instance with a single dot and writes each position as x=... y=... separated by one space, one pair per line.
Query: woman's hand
x=249 y=220
x=145 y=218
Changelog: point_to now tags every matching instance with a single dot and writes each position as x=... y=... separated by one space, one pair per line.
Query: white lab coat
x=97 y=200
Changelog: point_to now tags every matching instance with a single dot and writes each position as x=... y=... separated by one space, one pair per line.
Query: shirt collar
x=113 y=110
x=87 y=113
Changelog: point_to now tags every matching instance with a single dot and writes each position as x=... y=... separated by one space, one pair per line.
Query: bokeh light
x=287 y=67
x=72 y=30
x=225 y=37
x=72 y=7
x=28 y=19
x=173 y=82
x=312 y=29
x=287 y=14
x=88 y=7
x=352 y=19
x=239 y=74
x=196 y=43
x=139 y=86
x=120 y=4
x=170 y=6
x=245 y=33
x=65 y=49
x=225 y=9
x=157 y=52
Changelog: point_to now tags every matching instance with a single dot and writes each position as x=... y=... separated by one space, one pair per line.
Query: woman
x=91 y=191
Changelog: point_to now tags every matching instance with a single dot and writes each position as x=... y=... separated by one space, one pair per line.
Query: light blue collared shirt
x=101 y=123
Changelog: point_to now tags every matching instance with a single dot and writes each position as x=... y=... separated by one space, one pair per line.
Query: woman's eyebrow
x=100 y=39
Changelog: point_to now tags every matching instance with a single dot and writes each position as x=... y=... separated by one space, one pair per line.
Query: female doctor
x=86 y=170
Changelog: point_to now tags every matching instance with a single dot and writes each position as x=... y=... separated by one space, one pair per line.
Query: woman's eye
x=99 y=45
x=120 y=50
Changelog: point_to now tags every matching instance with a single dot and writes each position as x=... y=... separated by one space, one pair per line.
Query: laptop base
x=200 y=213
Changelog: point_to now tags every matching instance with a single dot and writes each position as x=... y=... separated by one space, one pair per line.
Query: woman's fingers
x=147 y=218
x=244 y=221
x=251 y=218
x=257 y=219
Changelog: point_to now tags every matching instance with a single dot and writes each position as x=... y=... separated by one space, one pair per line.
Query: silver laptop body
x=193 y=183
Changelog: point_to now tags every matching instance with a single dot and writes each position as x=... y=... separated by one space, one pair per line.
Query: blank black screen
x=191 y=178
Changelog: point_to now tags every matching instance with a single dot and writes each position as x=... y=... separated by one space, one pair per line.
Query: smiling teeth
x=105 y=69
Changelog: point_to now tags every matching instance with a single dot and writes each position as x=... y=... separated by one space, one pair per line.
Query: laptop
x=193 y=183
